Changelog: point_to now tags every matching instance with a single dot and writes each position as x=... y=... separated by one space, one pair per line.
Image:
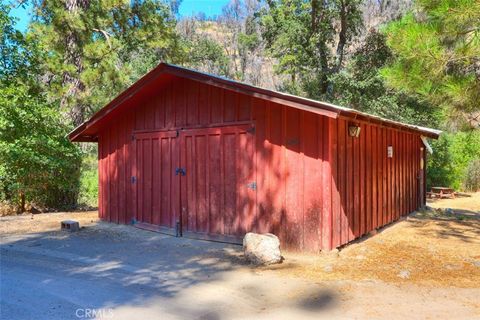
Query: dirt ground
x=434 y=248
x=437 y=248
x=460 y=203
x=430 y=262
x=32 y=223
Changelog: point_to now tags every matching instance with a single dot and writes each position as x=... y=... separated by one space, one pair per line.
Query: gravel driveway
x=120 y=272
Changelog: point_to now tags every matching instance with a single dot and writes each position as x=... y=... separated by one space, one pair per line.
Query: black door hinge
x=180 y=171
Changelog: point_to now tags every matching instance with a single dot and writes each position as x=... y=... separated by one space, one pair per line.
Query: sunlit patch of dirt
x=33 y=223
x=468 y=201
x=439 y=249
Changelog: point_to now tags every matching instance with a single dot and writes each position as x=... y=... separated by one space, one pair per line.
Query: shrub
x=472 y=178
x=37 y=162
x=452 y=155
x=88 y=195
x=440 y=167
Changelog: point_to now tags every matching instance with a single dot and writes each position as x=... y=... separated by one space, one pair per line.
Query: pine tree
x=437 y=56
x=310 y=40
x=94 y=49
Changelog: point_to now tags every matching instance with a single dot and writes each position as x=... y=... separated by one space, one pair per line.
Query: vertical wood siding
x=317 y=187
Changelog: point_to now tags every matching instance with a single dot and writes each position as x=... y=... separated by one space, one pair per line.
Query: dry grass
x=432 y=249
x=7 y=209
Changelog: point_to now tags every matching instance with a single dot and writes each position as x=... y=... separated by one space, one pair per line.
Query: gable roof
x=88 y=131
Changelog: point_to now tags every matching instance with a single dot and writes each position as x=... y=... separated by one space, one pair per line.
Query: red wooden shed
x=198 y=155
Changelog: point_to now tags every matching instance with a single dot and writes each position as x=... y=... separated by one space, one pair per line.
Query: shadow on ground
x=460 y=224
x=112 y=266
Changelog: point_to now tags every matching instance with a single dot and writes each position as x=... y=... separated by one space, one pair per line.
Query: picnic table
x=442 y=192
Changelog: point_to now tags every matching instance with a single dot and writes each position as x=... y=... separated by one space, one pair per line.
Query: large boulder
x=262 y=249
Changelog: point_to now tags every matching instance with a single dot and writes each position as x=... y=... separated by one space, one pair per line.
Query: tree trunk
x=71 y=80
x=342 y=37
x=317 y=15
x=22 y=202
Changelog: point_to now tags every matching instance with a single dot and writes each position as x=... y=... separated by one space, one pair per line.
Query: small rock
x=476 y=263
x=334 y=253
x=453 y=267
x=449 y=211
x=70 y=225
x=404 y=274
x=328 y=268
x=262 y=249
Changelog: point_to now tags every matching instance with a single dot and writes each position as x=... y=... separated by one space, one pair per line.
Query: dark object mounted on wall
x=354 y=130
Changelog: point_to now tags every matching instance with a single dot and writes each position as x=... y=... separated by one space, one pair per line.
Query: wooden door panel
x=219 y=188
x=157 y=159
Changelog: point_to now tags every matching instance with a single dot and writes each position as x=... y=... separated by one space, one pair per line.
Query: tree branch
x=105 y=34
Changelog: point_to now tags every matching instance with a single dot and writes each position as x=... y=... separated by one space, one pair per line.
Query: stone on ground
x=262 y=249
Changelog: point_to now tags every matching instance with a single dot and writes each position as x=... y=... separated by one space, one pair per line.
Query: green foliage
x=437 y=55
x=439 y=165
x=11 y=57
x=37 y=161
x=97 y=48
x=18 y=55
x=472 y=179
x=88 y=195
x=301 y=34
x=360 y=86
x=208 y=53
x=248 y=42
x=452 y=155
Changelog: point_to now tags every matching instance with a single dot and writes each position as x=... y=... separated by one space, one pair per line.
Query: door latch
x=180 y=171
x=134 y=179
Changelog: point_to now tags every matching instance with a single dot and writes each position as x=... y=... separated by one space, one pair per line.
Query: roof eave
x=317 y=107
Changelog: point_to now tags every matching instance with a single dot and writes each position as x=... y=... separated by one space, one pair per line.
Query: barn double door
x=198 y=181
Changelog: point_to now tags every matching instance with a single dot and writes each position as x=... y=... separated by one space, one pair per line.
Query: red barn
x=197 y=155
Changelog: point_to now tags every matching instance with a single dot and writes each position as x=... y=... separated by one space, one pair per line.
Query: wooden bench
x=442 y=192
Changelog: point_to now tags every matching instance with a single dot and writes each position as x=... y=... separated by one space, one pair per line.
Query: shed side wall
x=317 y=187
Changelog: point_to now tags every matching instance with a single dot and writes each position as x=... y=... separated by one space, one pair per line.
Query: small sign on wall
x=390 y=151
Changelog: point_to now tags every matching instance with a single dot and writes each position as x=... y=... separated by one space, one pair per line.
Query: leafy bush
x=37 y=162
x=88 y=195
x=453 y=153
x=472 y=176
